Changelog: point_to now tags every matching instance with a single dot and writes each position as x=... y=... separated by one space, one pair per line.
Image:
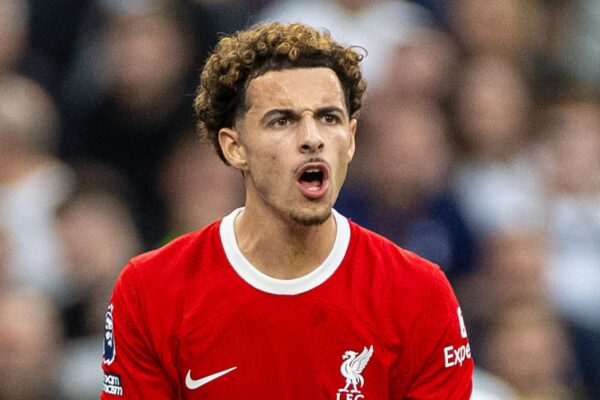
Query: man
x=284 y=298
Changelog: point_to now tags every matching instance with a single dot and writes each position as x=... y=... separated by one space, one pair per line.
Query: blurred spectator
x=29 y=345
x=527 y=347
x=570 y=139
x=32 y=183
x=492 y=107
x=198 y=188
x=376 y=25
x=510 y=29
x=570 y=159
x=399 y=189
x=94 y=213
x=139 y=108
x=421 y=67
x=495 y=180
x=510 y=269
x=514 y=263
x=513 y=329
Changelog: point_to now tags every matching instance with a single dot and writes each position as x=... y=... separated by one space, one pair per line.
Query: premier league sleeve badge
x=109 y=338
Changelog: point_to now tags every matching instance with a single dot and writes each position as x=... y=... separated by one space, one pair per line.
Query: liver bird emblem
x=353 y=366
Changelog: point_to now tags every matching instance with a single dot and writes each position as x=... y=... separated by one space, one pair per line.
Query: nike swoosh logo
x=195 y=384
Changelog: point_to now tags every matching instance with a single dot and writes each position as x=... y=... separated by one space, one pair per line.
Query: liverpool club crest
x=351 y=369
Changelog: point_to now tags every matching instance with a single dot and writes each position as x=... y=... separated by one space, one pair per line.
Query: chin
x=310 y=217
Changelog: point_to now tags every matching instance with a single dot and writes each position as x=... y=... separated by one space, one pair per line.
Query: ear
x=352 y=127
x=232 y=148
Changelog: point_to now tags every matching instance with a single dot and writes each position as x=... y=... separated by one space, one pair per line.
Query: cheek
x=273 y=163
x=342 y=166
x=266 y=166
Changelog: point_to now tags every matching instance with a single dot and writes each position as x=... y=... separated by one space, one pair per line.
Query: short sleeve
x=131 y=368
x=442 y=363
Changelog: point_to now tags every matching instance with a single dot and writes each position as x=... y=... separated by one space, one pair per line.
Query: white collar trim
x=268 y=284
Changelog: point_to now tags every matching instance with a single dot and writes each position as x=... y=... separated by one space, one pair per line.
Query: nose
x=310 y=139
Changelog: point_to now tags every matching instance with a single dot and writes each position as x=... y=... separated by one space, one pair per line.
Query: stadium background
x=479 y=149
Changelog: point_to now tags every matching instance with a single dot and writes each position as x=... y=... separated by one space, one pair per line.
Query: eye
x=280 y=122
x=331 y=119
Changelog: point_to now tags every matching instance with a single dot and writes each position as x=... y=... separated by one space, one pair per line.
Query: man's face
x=295 y=143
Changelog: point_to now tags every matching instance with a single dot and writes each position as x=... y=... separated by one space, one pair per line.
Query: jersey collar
x=265 y=283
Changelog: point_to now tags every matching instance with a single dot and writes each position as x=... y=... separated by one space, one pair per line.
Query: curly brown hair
x=239 y=58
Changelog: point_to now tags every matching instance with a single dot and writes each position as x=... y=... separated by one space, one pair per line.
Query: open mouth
x=313 y=180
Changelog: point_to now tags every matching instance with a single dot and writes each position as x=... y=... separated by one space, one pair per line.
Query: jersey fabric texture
x=195 y=320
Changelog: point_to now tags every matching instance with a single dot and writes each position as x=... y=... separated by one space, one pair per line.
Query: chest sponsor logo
x=193 y=384
x=351 y=369
x=109 y=338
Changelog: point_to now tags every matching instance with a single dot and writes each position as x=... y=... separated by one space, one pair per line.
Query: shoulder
x=382 y=254
x=176 y=260
x=415 y=292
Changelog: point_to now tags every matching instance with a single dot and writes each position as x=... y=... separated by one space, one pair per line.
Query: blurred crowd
x=478 y=148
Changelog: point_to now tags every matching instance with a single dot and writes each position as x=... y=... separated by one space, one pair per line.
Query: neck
x=280 y=248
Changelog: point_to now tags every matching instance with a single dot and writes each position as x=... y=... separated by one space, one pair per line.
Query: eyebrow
x=291 y=113
x=329 y=110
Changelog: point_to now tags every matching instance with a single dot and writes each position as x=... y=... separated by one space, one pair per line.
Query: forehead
x=301 y=88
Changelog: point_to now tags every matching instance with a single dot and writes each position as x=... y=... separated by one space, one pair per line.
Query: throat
x=283 y=252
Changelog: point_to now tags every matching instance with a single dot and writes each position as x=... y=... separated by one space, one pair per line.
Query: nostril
x=312 y=146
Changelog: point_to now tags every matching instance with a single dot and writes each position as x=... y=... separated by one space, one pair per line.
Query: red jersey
x=195 y=320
